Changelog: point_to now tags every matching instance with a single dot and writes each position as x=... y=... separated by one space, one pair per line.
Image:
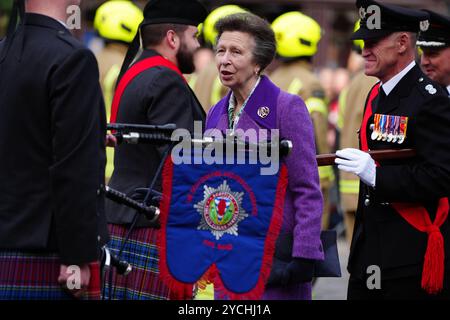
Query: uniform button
x=420 y=79
x=367 y=202
x=99 y=238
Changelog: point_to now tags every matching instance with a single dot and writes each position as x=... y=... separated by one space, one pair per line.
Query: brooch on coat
x=263 y=112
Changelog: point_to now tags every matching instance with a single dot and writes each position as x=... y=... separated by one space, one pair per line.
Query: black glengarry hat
x=188 y=12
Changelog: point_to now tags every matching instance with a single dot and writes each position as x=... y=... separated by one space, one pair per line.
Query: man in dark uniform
x=157 y=94
x=434 y=41
x=52 y=156
x=402 y=233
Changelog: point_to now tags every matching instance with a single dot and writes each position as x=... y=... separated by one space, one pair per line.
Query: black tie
x=382 y=95
x=380 y=100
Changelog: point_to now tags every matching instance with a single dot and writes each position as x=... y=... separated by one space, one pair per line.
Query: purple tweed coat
x=303 y=204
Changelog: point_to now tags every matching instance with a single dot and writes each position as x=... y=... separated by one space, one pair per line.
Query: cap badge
x=424 y=25
x=362 y=13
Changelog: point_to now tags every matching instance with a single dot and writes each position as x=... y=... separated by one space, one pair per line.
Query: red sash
x=94 y=286
x=132 y=73
x=418 y=217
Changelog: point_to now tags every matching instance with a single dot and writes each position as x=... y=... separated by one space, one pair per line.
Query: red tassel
x=433 y=268
x=418 y=217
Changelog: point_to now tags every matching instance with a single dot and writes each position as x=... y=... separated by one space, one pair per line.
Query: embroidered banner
x=220 y=222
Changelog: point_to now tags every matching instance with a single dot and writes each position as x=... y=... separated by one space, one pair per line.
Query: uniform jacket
x=157 y=96
x=303 y=203
x=52 y=152
x=381 y=236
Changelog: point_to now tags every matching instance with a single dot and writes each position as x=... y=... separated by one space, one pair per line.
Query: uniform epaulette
x=427 y=87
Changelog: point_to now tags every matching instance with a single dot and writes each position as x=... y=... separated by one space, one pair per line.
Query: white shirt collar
x=448 y=89
x=390 y=85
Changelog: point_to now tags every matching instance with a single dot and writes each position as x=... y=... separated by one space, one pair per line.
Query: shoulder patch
x=430 y=89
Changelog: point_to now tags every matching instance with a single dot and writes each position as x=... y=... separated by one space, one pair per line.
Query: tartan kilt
x=34 y=276
x=141 y=251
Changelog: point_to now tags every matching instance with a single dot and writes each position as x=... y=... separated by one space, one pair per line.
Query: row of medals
x=389 y=128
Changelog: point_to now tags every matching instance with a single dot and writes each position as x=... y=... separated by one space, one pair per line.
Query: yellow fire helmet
x=209 y=30
x=118 y=20
x=358 y=43
x=297 y=35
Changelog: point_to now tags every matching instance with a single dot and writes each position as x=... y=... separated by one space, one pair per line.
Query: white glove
x=357 y=162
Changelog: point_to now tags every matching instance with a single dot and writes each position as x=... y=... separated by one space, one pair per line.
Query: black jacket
x=382 y=237
x=157 y=96
x=52 y=133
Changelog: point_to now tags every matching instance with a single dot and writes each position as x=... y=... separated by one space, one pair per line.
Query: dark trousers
x=407 y=288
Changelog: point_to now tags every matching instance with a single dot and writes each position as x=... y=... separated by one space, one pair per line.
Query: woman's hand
x=299 y=270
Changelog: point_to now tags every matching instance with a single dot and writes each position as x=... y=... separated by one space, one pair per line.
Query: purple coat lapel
x=265 y=95
x=218 y=115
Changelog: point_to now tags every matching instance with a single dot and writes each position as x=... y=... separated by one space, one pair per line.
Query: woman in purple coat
x=245 y=47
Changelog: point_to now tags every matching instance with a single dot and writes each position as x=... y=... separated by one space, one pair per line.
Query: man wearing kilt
x=151 y=91
x=52 y=158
